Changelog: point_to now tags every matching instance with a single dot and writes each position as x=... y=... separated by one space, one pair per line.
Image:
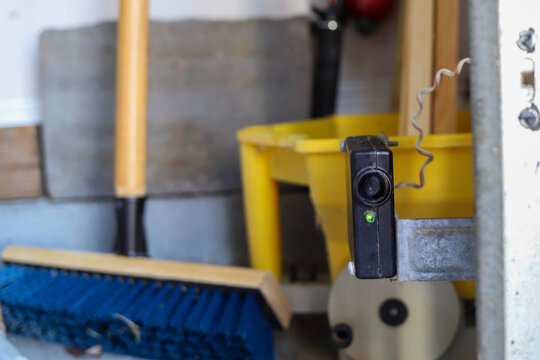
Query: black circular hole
x=341 y=336
x=393 y=312
x=373 y=187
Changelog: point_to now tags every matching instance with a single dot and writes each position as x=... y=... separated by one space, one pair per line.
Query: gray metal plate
x=207 y=79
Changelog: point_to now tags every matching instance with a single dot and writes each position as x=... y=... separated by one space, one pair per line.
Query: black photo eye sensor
x=370 y=192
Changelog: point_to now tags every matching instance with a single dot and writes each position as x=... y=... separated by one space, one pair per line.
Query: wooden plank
x=20 y=183
x=446 y=55
x=141 y=267
x=18 y=146
x=398 y=59
x=417 y=68
x=20 y=171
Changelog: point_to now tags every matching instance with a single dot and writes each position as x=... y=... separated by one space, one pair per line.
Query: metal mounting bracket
x=436 y=249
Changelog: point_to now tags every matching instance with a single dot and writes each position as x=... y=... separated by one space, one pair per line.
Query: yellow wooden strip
x=417 y=63
x=446 y=56
x=140 y=267
x=398 y=57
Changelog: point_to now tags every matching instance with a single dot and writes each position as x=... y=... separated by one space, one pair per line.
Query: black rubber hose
x=329 y=34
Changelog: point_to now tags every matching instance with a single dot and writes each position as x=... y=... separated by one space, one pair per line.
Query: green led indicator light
x=370 y=217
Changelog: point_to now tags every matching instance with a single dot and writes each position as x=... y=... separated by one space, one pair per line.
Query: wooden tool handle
x=131 y=101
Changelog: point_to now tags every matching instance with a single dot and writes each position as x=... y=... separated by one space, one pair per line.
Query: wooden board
x=446 y=55
x=140 y=267
x=417 y=63
x=20 y=171
x=398 y=57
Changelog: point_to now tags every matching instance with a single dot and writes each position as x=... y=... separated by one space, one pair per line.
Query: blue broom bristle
x=134 y=316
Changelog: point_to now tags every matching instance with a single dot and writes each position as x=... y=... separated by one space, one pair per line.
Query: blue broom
x=130 y=304
x=142 y=307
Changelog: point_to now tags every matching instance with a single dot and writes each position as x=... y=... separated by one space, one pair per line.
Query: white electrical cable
x=416 y=115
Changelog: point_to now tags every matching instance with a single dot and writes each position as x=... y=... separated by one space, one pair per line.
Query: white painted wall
x=22 y=21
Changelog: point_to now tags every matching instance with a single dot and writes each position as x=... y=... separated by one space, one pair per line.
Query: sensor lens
x=373 y=187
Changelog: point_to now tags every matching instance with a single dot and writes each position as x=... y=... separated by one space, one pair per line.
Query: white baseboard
x=19 y=112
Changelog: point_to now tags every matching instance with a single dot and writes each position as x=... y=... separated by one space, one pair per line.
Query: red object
x=371 y=9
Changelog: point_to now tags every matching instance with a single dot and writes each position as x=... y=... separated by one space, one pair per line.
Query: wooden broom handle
x=131 y=99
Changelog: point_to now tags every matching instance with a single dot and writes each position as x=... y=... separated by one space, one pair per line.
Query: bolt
x=386 y=141
x=342 y=146
x=332 y=25
x=530 y=118
x=351 y=268
x=527 y=40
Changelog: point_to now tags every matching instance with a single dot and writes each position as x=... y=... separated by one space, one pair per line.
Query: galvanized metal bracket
x=436 y=249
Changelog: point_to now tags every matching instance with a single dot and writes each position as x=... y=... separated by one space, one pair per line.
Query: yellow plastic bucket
x=308 y=153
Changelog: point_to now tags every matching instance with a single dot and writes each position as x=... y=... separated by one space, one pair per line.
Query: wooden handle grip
x=131 y=99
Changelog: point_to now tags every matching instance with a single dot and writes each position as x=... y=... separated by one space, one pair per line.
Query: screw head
x=530 y=118
x=527 y=40
x=332 y=25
